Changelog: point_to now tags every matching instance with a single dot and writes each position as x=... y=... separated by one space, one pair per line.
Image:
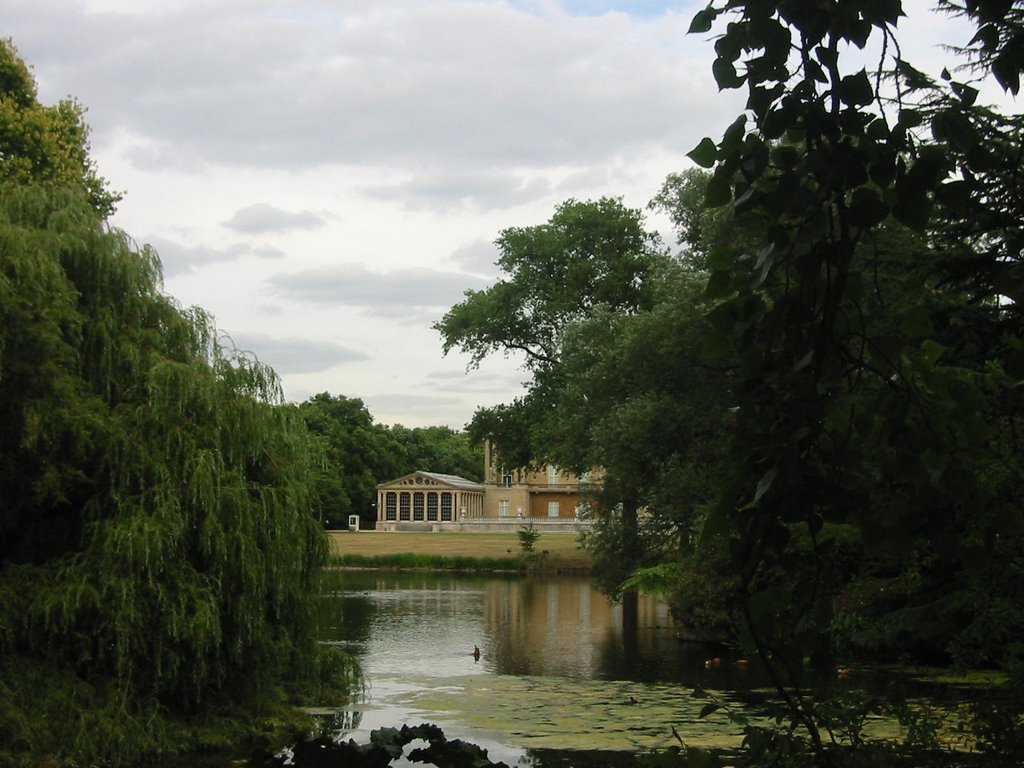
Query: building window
x=417 y=506
x=506 y=477
x=403 y=505
x=503 y=508
x=431 y=506
x=391 y=506
x=446 y=507
x=553 y=509
x=552 y=474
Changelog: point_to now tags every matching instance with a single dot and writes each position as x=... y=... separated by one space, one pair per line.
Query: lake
x=559 y=674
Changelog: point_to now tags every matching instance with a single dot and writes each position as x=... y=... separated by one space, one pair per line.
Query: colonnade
x=429 y=506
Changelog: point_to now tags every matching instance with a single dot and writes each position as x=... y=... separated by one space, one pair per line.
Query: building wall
x=529 y=490
x=425 y=501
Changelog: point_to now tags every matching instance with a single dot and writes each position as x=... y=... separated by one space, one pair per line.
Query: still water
x=557 y=669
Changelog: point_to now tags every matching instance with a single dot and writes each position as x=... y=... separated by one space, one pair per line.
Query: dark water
x=561 y=678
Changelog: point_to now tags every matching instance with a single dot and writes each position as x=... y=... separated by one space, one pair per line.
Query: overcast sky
x=326 y=177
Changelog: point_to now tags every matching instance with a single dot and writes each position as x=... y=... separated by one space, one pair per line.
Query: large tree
x=876 y=323
x=603 y=316
x=159 y=544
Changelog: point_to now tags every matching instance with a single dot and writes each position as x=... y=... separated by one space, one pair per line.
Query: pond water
x=559 y=672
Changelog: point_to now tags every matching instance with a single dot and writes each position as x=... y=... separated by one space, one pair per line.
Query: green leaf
x=855 y=90
x=709 y=708
x=953 y=126
x=702 y=21
x=967 y=94
x=719 y=285
x=704 y=154
x=916 y=322
x=765 y=483
x=931 y=351
x=719 y=189
x=867 y=208
x=1006 y=69
x=725 y=74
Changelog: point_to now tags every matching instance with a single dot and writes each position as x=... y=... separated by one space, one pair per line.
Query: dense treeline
x=810 y=419
x=359 y=454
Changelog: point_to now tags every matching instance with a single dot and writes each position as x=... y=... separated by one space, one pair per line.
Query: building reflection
x=563 y=627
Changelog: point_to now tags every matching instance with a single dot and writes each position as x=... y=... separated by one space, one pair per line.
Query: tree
x=589 y=255
x=356 y=452
x=45 y=145
x=876 y=321
x=589 y=259
x=359 y=454
x=434 y=449
x=159 y=544
x=608 y=389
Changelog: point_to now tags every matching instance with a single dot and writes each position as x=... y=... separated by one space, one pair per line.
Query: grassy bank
x=451 y=551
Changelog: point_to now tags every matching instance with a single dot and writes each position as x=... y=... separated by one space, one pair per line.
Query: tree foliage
x=359 y=454
x=876 y=323
x=588 y=255
x=612 y=330
x=159 y=544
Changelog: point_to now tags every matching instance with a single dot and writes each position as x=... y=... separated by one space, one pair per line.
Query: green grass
x=409 y=560
x=456 y=551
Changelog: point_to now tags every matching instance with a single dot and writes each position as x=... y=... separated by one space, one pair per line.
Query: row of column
x=429 y=506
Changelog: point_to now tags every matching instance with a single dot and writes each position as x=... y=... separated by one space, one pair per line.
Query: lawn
x=562 y=548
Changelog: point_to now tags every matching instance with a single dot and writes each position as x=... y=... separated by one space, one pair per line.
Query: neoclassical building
x=428 y=498
x=508 y=498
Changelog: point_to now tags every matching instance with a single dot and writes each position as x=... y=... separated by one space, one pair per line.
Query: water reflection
x=555 y=627
x=561 y=670
x=564 y=678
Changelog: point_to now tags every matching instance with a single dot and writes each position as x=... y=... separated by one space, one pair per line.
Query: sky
x=327 y=177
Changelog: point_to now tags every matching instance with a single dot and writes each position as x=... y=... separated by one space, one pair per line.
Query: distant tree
x=588 y=255
x=358 y=456
x=435 y=449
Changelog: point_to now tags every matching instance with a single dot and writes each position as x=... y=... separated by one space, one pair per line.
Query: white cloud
x=262 y=217
x=327 y=177
x=296 y=354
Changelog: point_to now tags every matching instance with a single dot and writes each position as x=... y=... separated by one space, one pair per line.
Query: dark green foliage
x=877 y=329
x=356 y=455
x=617 y=386
x=359 y=454
x=159 y=543
x=434 y=449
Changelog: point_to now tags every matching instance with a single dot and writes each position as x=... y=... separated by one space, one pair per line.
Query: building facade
x=509 y=498
x=425 y=500
x=541 y=493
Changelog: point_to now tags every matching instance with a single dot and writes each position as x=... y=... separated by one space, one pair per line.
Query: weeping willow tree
x=159 y=542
